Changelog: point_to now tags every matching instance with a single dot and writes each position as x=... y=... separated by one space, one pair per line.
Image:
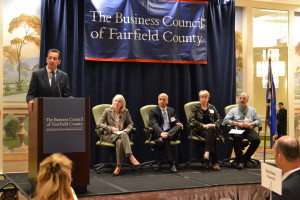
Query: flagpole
x=265 y=137
x=270 y=107
x=267 y=113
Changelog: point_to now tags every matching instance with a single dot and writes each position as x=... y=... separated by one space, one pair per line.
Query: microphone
x=58 y=89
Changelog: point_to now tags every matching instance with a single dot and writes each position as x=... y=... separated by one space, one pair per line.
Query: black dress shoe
x=159 y=141
x=234 y=164
x=157 y=167
x=240 y=166
x=173 y=169
x=248 y=163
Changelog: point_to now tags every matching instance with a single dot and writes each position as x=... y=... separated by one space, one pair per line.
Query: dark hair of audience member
x=54 y=178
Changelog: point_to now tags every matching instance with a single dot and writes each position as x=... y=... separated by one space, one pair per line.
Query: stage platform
x=193 y=182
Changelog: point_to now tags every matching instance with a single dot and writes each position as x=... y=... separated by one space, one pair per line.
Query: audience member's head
x=287 y=153
x=54 y=178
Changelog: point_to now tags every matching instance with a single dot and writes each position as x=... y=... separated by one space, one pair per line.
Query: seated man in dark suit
x=48 y=81
x=166 y=127
x=287 y=158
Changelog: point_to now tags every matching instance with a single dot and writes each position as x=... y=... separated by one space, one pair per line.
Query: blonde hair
x=122 y=99
x=204 y=92
x=54 y=178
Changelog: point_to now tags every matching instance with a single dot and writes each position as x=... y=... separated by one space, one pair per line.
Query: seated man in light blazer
x=166 y=127
x=48 y=81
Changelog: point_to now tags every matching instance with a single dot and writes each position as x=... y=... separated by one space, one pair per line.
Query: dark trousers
x=210 y=136
x=165 y=150
x=254 y=140
x=281 y=130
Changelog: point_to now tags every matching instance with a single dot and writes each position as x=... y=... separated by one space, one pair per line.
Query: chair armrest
x=99 y=132
x=148 y=132
x=259 y=129
x=131 y=133
x=133 y=130
x=190 y=126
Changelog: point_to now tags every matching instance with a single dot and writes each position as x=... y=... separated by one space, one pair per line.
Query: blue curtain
x=140 y=83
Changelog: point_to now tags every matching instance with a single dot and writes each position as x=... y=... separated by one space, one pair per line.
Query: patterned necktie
x=166 y=122
x=52 y=82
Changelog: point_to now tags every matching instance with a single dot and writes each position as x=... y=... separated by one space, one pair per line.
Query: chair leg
x=100 y=166
x=149 y=163
x=196 y=160
x=255 y=162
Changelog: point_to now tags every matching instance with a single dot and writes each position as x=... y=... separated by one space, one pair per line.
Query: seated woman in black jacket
x=206 y=120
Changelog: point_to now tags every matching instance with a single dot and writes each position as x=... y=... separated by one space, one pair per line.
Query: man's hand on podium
x=30 y=106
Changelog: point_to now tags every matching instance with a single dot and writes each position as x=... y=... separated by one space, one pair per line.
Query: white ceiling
x=295 y=2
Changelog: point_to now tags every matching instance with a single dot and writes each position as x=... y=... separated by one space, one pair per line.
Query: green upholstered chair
x=228 y=108
x=188 y=110
x=97 y=113
x=149 y=131
x=245 y=141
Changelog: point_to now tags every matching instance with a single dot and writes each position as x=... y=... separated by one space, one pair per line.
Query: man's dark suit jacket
x=40 y=87
x=290 y=188
x=156 y=121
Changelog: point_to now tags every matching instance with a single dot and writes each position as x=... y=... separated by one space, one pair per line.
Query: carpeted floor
x=269 y=153
x=147 y=180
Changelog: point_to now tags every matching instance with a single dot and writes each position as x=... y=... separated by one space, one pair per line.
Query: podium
x=61 y=125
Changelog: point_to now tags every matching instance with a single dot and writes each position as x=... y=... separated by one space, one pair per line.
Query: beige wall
x=1 y=88
x=253 y=84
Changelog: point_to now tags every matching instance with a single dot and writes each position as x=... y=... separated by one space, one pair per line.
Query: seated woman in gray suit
x=206 y=119
x=117 y=123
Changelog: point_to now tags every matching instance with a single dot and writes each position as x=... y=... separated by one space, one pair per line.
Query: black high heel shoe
x=134 y=160
x=216 y=167
x=117 y=171
x=206 y=161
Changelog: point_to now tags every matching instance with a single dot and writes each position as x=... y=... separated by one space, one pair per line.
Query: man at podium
x=48 y=81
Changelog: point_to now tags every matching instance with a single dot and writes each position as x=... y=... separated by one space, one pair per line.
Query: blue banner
x=271 y=106
x=159 y=31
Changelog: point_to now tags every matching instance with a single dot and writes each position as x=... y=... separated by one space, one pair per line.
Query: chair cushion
x=105 y=144
x=196 y=138
x=151 y=142
x=108 y=144
x=175 y=142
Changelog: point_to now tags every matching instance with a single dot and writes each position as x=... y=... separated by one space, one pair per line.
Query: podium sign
x=61 y=125
x=271 y=178
x=64 y=131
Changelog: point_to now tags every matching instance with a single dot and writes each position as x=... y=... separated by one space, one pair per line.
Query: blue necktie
x=52 y=82
x=166 y=122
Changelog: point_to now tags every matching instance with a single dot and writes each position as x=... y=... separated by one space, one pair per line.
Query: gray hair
x=122 y=99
